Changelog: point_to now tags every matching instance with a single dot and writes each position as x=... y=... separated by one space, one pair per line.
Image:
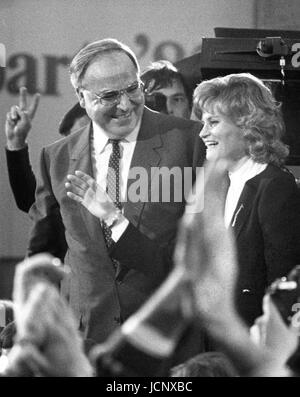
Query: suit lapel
x=146 y=155
x=82 y=160
x=243 y=208
x=247 y=199
x=80 y=152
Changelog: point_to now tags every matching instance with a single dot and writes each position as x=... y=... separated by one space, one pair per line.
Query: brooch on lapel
x=236 y=215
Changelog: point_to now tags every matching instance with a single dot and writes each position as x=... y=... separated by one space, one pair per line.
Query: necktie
x=112 y=185
x=113 y=173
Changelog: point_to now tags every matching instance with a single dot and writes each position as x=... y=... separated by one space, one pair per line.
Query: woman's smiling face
x=222 y=137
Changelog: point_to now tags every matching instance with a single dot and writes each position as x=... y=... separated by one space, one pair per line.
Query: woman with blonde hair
x=242 y=122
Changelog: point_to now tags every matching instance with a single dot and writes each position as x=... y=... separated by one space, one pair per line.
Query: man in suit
x=165 y=91
x=117 y=262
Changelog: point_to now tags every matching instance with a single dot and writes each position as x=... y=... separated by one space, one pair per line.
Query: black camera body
x=156 y=101
x=285 y=294
x=272 y=47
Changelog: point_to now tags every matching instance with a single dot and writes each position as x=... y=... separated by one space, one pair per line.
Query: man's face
x=177 y=103
x=111 y=72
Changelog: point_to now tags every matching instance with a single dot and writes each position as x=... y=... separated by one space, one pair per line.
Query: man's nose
x=124 y=101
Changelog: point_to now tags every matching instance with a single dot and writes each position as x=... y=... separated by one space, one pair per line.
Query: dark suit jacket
x=23 y=184
x=100 y=297
x=266 y=224
x=21 y=177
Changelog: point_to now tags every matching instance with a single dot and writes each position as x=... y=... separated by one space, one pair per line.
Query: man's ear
x=80 y=97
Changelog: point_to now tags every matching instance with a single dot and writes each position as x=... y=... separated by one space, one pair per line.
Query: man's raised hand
x=19 y=120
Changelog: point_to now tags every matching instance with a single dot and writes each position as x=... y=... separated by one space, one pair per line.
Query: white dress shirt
x=101 y=152
x=238 y=178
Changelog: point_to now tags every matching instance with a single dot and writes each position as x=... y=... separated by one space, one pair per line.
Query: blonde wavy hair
x=249 y=104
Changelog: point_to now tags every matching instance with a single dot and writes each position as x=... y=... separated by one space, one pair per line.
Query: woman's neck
x=235 y=165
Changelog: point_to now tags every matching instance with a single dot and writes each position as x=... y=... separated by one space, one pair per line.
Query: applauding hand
x=85 y=190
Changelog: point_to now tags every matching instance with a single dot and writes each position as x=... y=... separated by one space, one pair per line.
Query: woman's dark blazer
x=266 y=225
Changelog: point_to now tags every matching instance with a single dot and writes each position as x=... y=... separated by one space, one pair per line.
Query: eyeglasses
x=110 y=98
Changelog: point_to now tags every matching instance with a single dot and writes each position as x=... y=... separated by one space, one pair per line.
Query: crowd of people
x=120 y=281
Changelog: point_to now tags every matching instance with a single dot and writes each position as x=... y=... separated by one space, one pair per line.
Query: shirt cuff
x=118 y=229
x=19 y=149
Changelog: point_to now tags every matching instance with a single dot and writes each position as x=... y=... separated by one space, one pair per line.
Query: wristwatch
x=113 y=218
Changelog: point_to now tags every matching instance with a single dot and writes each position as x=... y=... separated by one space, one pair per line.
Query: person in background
x=165 y=89
x=17 y=127
x=74 y=119
x=242 y=123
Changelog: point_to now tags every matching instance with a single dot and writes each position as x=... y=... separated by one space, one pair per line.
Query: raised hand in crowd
x=18 y=120
x=47 y=341
x=205 y=248
x=39 y=268
x=272 y=333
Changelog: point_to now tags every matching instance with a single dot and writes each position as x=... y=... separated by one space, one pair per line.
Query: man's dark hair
x=161 y=74
x=69 y=119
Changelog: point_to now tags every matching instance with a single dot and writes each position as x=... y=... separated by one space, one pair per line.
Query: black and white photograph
x=150 y=191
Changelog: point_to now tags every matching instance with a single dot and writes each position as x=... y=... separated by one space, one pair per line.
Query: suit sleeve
x=21 y=178
x=279 y=212
x=47 y=234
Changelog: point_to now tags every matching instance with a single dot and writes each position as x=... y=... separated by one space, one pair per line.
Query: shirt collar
x=100 y=137
x=246 y=171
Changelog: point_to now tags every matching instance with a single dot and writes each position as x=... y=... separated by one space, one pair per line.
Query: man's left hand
x=85 y=190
